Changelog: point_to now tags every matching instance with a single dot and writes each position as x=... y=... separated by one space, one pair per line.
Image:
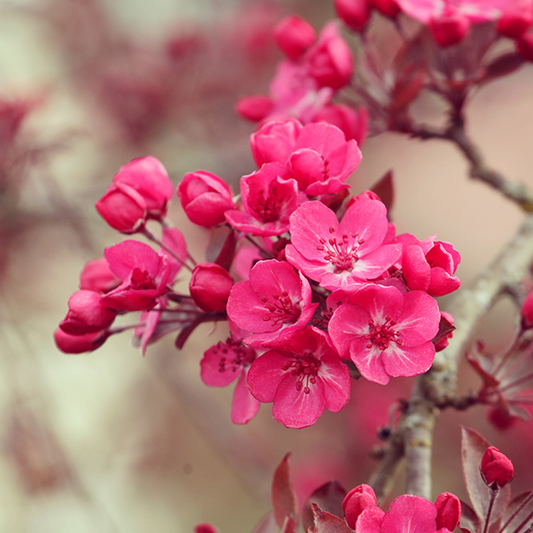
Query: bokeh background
x=111 y=441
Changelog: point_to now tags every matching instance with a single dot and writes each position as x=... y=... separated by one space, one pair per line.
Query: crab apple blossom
x=340 y=254
x=144 y=274
x=275 y=141
x=448 y=507
x=356 y=501
x=86 y=314
x=269 y=198
x=255 y=108
x=386 y=333
x=496 y=469
x=353 y=123
x=354 y=13
x=221 y=365
x=210 y=286
x=302 y=375
x=329 y=61
x=274 y=302
x=430 y=267
x=407 y=513
x=97 y=276
x=204 y=198
x=74 y=344
x=294 y=35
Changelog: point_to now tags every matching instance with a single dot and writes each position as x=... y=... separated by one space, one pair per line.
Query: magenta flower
x=276 y=300
x=97 y=276
x=86 y=314
x=341 y=254
x=386 y=333
x=143 y=272
x=275 y=141
x=221 y=365
x=269 y=198
x=302 y=376
x=210 y=285
x=407 y=514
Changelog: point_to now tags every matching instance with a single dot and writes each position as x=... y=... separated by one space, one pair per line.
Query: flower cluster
x=322 y=281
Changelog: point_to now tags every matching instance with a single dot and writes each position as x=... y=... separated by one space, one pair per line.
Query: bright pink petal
x=408 y=361
x=348 y=322
x=335 y=375
x=174 y=240
x=369 y=521
x=420 y=318
x=369 y=361
x=442 y=283
x=265 y=375
x=244 y=406
x=296 y=409
x=129 y=254
x=218 y=372
x=415 y=268
x=410 y=514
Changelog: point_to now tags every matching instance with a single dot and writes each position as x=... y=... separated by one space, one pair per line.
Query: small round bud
x=448 y=508
x=210 y=286
x=294 y=35
x=496 y=469
x=356 y=501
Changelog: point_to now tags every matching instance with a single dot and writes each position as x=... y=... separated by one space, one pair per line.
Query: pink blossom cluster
x=311 y=281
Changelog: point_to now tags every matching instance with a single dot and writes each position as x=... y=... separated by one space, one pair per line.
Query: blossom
x=226 y=362
x=354 y=13
x=269 y=198
x=353 y=123
x=407 y=513
x=86 y=314
x=386 y=333
x=88 y=342
x=143 y=272
x=356 y=501
x=294 y=35
x=302 y=376
x=275 y=141
x=496 y=469
x=204 y=198
x=97 y=276
x=210 y=286
x=276 y=300
x=339 y=254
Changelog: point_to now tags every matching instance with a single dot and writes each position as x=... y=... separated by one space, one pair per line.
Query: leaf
x=227 y=253
x=328 y=497
x=283 y=500
x=267 y=524
x=502 y=66
x=385 y=190
x=519 y=514
x=327 y=523
x=473 y=447
x=445 y=328
x=469 y=522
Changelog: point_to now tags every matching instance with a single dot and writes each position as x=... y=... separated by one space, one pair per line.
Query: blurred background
x=114 y=442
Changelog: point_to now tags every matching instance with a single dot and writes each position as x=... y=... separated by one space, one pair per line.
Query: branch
x=437 y=386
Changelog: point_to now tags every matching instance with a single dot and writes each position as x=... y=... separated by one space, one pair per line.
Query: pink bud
x=527 y=311
x=388 y=8
x=123 y=208
x=500 y=418
x=449 y=28
x=149 y=178
x=86 y=314
x=79 y=343
x=97 y=276
x=356 y=501
x=255 y=108
x=210 y=286
x=515 y=20
x=496 y=469
x=294 y=35
x=354 y=13
x=204 y=198
x=448 y=508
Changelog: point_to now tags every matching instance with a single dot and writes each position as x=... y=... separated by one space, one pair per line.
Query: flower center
x=382 y=335
x=341 y=252
x=267 y=208
x=234 y=355
x=141 y=280
x=281 y=309
x=306 y=368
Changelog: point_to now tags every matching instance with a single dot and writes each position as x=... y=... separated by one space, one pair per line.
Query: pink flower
x=386 y=333
x=143 y=272
x=210 y=286
x=407 y=513
x=329 y=61
x=496 y=469
x=276 y=300
x=86 y=314
x=97 y=276
x=222 y=364
x=294 y=35
x=431 y=268
x=448 y=507
x=302 y=376
x=354 y=124
x=269 y=198
x=341 y=254
x=79 y=343
x=204 y=198
x=275 y=141
x=356 y=501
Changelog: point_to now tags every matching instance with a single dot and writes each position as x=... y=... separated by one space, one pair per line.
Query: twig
x=436 y=387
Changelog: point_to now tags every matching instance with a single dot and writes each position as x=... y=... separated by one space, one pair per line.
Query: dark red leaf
x=502 y=66
x=519 y=514
x=327 y=523
x=328 y=497
x=384 y=188
x=227 y=253
x=283 y=500
x=445 y=328
x=469 y=522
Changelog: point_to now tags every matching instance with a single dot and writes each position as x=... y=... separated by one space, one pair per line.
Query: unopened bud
x=294 y=35
x=210 y=286
x=449 y=28
x=354 y=13
x=356 y=501
x=496 y=469
x=448 y=508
